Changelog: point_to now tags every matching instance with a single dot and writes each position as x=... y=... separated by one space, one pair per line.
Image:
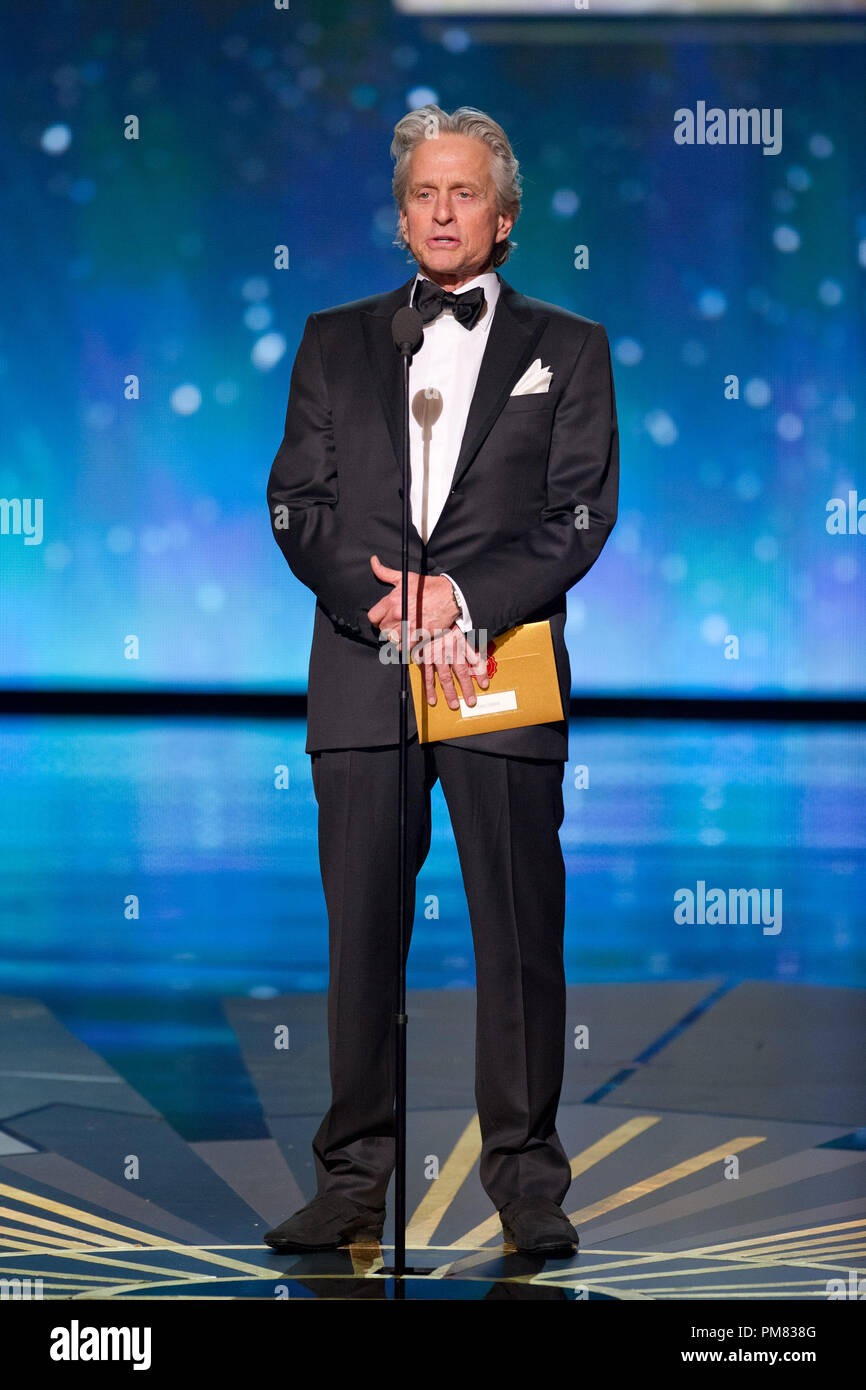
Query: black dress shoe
x=327 y=1223
x=537 y=1226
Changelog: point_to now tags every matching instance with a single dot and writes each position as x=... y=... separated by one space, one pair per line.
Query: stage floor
x=150 y=1133
x=714 y=1134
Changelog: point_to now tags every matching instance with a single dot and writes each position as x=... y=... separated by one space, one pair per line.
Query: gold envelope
x=523 y=689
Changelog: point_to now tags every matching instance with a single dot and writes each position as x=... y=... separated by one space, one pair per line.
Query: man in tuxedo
x=513 y=495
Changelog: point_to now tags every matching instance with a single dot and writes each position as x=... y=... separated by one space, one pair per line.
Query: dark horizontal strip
x=767 y=707
x=262 y=705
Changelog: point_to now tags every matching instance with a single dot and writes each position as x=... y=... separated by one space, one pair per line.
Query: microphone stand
x=408 y=331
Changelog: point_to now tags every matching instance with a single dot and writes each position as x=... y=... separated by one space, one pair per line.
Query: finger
x=463 y=677
x=464 y=663
x=379 y=613
x=429 y=682
x=384 y=615
x=478 y=666
x=383 y=571
x=447 y=684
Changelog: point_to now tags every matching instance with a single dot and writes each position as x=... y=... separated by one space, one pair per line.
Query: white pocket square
x=535 y=379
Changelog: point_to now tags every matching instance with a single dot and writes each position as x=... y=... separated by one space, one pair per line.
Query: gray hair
x=425 y=123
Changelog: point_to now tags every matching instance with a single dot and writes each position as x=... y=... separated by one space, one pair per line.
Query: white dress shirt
x=442 y=377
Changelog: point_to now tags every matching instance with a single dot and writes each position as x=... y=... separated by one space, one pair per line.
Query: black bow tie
x=430 y=299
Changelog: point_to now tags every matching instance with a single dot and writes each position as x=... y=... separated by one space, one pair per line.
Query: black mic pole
x=408 y=330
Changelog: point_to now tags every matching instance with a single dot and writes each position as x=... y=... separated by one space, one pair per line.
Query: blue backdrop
x=153 y=258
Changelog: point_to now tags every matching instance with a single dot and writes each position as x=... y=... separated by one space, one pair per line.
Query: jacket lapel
x=512 y=337
x=513 y=334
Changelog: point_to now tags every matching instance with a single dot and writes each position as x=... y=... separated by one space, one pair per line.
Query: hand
x=451 y=652
x=430 y=608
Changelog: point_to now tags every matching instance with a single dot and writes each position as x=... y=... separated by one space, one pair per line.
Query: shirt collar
x=489 y=282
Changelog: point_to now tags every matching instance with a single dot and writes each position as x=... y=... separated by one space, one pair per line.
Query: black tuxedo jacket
x=532 y=501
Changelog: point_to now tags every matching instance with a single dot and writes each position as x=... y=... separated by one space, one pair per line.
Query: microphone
x=407 y=328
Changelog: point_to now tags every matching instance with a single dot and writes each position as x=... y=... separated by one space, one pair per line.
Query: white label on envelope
x=496 y=703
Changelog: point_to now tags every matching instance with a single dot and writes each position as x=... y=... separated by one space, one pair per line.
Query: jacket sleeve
x=509 y=581
x=303 y=491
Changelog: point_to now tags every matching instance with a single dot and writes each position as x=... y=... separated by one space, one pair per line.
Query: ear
x=503 y=227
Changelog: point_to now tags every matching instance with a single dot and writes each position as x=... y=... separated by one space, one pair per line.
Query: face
x=450 y=220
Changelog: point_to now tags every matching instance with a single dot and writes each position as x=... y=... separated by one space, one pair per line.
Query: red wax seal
x=491 y=661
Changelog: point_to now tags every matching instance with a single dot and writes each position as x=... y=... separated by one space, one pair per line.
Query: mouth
x=443 y=241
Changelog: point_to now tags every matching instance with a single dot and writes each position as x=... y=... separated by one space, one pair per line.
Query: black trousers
x=505 y=813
